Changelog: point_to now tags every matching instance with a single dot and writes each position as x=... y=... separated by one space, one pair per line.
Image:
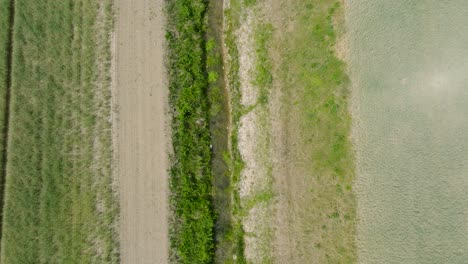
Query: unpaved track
x=140 y=94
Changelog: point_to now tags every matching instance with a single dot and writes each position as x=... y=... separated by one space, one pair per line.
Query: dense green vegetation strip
x=59 y=205
x=191 y=176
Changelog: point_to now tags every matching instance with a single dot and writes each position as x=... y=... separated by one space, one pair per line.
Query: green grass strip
x=191 y=177
x=316 y=107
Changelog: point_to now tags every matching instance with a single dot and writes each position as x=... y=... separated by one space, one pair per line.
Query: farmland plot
x=408 y=65
x=59 y=202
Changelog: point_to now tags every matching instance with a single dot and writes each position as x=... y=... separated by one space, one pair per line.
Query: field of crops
x=410 y=103
x=59 y=202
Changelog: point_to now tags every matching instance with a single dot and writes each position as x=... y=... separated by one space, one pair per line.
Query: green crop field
x=59 y=202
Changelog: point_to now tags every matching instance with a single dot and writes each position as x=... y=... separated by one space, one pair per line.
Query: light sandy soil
x=140 y=105
x=254 y=147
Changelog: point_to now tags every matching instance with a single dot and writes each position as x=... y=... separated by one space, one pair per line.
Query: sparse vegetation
x=59 y=202
x=315 y=90
x=316 y=113
x=263 y=77
x=234 y=158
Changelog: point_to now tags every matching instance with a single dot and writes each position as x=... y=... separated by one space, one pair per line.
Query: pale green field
x=59 y=203
x=409 y=64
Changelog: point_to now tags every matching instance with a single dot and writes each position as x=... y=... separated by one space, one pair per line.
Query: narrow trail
x=141 y=142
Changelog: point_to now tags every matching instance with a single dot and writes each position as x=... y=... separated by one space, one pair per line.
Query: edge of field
x=6 y=21
x=294 y=143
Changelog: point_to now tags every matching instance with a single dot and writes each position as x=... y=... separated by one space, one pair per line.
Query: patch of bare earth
x=287 y=203
x=140 y=126
x=254 y=146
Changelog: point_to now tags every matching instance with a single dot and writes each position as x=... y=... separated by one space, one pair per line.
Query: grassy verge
x=59 y=205
x=313 y=107
x=191 y=234
x=317 y=120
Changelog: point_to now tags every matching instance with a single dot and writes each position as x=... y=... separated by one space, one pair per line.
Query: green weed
x=191 y=235
x=263 y=77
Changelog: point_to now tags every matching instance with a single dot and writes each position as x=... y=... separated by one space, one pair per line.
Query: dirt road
x=140 y=140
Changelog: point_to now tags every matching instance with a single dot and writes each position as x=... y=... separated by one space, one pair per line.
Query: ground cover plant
x=59 y=202
x=191 y=234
